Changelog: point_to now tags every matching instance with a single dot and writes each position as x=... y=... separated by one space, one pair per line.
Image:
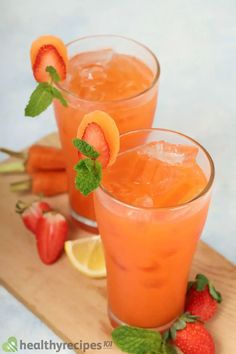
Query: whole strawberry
x=190 y=335
x=202 y=298
x=30 y=213
x=51 y=234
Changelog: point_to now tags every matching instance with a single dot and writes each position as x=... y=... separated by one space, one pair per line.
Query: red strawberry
x=51 y=235
x=48 y=56
x=31 y=213
x=94 y=136
x=202 y=298
x=191 y=336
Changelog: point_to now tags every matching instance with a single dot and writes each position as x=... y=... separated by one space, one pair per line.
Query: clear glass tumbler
x=149 y=250
x=136 y=111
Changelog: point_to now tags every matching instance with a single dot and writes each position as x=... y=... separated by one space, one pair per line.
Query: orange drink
x=151 y=209
x=111 y=74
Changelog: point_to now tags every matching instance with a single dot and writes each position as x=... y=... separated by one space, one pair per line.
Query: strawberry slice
x=48 y=51
x=31 y=213
x=95 y=137
x=47 y=56
x=51 y=234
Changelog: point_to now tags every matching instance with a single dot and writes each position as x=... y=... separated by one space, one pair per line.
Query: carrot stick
x=48 y=183
x=38 y=158
x=44 y=158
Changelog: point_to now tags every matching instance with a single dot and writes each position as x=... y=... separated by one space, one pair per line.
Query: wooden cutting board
x=73 y=305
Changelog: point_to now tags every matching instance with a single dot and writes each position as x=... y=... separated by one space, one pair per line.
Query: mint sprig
x=53 y=73
x=89 y=170
x=40 y=99
x=89 y=175
x=85 y=148
x=141 y=341
x=43 y=95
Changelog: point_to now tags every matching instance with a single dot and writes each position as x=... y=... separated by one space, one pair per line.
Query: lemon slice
x=86 y=255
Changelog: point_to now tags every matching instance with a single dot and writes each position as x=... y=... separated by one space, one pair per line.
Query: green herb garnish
x=141 y=341
x=89 y=170
x=43 y=95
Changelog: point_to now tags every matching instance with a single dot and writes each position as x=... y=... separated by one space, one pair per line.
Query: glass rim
x=175 y=207
x=153 y=83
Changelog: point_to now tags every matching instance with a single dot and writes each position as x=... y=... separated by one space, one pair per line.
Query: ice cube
x=95 y=73
x=173 y=154
x=101 y=57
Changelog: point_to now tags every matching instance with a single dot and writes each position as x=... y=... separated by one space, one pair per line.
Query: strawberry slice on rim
x=48 y=51
x=94 y=136
x=100 y=131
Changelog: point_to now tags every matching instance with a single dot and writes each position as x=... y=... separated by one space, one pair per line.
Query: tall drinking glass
x=151 y=209
x=109 y=73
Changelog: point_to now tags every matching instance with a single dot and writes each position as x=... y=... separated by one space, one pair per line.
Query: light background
x=195 y=42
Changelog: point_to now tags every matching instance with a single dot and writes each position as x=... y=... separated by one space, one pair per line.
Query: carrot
x=38 y=158
x=48 y=183
x=44 y=158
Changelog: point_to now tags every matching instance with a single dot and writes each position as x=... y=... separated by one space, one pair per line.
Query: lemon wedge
x=86 y=254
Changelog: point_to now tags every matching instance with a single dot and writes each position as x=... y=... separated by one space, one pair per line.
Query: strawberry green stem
x=12 y=153
x=21 y=186
x=11 y=167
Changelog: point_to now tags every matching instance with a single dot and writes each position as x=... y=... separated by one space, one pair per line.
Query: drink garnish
x=98 y=144
x=87 y=256
x=49 y=64
x=88 y=170
x=48 y=51
x=43 y=95
x=141 y=341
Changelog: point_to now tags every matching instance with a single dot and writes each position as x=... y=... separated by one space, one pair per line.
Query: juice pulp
x=111 y=82
x=148 y=242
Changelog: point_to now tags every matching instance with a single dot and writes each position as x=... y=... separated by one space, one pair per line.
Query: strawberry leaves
x=43 y=95
x=179 y=324
x=200 y=283
x=214 y=293
x=89 y=170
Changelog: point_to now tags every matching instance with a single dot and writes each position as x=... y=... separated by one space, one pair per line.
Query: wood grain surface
x=73 y=305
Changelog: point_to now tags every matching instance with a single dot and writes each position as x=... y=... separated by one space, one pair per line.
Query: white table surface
x=195 y=42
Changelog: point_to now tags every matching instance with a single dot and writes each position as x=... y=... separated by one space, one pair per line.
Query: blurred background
x=195 y=42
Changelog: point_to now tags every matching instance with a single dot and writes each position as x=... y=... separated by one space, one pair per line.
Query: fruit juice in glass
x=112 y=74
x=151 y=209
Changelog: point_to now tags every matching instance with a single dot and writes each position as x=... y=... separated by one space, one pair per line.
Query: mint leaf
x=57 y=94
x=201 y=282
x=136 y=340
x=89 y=175
x=43 y=95
x=53 y=73
x=39 y=100
x=85 y=148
